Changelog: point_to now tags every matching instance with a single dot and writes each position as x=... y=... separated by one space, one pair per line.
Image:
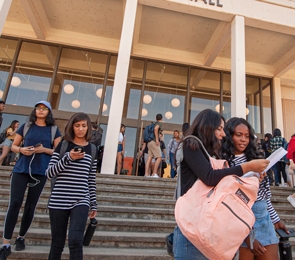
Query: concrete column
x=4 y=8
x=117 y=102
x=278 y=111
x=238 y=71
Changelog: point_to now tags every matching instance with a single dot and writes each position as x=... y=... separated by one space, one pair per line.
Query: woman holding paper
x=239 y=147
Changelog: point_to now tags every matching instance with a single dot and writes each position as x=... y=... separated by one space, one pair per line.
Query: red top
x=291 y=149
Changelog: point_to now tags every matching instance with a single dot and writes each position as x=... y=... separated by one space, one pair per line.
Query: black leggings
x=18 y=186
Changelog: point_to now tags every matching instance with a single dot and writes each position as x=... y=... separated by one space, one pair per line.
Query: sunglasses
x=42 y=108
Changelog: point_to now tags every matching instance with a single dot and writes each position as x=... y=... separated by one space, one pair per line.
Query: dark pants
x=279 y=170
x=172 y=165
x=18 y=186
x=59 y=223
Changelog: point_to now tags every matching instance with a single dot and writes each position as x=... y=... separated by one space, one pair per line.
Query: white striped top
x=76 y=182
x=264 y=192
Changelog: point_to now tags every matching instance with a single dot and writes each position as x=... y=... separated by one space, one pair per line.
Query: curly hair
x=228 y=146
x=49 y=120
x=203 y=127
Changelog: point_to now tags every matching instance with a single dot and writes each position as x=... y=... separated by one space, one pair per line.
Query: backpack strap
x=93 y=153
x=63 y=148
x=53 y=133
x=26 y=129
x=179 y=159
x=28 y=125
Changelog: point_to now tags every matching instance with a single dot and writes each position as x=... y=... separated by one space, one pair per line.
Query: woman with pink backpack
x=208 y=127
x=239 y=147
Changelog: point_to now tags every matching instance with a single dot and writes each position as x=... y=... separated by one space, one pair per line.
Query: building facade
x=124 y=61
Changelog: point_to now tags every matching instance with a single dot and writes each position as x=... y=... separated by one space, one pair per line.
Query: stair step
x=93 y=253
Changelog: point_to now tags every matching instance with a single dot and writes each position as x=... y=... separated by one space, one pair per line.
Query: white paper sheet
x=273 y=158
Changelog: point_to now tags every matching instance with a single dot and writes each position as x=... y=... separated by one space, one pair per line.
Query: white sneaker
x=155 y=175
x=291 y=200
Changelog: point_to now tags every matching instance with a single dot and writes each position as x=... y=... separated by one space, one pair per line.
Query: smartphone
x=79 y=149
x=37 y=145
x=283 y=234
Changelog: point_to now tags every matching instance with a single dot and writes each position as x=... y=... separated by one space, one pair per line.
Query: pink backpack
x=217 y=219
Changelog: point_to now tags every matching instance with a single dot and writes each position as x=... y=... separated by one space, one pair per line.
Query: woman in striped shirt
x=238 y=147
x=74 y=192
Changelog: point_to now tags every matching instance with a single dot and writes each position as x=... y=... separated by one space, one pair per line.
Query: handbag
x=217 y=219
x=164 y=165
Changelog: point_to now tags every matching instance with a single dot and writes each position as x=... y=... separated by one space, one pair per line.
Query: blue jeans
x=172 y=171
x=279 y=170
x=59 y=224
x=264 y=228
x=183 y=249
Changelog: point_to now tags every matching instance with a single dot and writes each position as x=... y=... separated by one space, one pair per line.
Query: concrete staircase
x=134 y=216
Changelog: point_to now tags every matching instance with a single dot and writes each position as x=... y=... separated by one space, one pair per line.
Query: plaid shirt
x=277 y=142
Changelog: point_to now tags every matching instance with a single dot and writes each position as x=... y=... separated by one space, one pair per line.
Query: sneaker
x=291 y=200
x=4 y=252
x=169 y=246
x=19 y=244
x=155 y=175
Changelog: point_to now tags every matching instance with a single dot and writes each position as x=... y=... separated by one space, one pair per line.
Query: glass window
x=7 y=50
x=79 y=81
x=266 y=99
x=226 y=96
x=253 y=103
x=32 y=75
x=204 y=92
x=109 y=89
x=165 y=92
x=133 y=89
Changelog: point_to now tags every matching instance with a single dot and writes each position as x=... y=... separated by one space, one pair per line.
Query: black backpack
x=96 y=138
x=149 y=134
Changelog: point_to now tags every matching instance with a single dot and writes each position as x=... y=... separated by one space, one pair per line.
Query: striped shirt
x=264 y=192
x=75 y=183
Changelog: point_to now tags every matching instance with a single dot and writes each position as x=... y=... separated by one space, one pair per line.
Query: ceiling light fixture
x=69 y=89
x=15 y=81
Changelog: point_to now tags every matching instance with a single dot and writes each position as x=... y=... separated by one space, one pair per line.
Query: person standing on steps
x=154 y=148
x=238 y=147
x=280 y=167
x=173 y=143
x=121 y=149
x=291 y=157
x=29 y=172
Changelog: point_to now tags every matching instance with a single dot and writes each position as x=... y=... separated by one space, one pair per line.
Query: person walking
x=208 y=127
x=239 y=147
x=10 y=135
x=280 y=167
x=29 y=172
x=173 y=143
x=73 y=196
x=154 y=150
